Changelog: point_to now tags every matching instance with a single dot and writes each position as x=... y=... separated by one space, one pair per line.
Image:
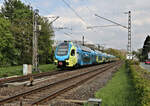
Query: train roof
x=84 y=48
x=98 y=52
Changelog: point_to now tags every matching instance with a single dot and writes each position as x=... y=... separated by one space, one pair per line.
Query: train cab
x=65 y=54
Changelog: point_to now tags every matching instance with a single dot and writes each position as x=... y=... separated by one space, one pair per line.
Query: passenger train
x=69 y=54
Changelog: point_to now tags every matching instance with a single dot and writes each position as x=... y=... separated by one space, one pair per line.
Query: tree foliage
x=45 y=42
x=138 y=54
x=21 y=28
x=7 y=49
x=146 y=48
x=118 y=53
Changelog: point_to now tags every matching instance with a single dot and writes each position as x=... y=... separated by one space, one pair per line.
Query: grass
x=17 y=70
x=119 y=91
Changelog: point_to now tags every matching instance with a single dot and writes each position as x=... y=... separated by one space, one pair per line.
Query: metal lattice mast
x=129 y=54
x=35 y=42
x=129 y=34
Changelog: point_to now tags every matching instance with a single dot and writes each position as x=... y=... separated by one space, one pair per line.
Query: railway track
x=50 y=91
x=27 y=77
x=34 y=76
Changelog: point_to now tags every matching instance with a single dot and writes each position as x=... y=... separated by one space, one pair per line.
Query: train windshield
x=62 y=49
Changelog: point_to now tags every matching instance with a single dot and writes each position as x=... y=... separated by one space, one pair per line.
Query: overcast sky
x=114 y=37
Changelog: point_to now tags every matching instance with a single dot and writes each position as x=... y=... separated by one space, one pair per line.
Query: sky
x=76 y=24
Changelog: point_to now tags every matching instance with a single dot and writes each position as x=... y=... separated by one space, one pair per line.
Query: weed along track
x=50 y=90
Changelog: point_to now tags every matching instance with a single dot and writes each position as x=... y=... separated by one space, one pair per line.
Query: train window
x=100 y=58
x=62 y=49
x=73 y=52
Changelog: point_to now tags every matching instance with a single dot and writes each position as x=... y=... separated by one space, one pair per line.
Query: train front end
x=65 y=55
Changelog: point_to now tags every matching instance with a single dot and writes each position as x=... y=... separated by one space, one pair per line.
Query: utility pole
x=35 y=41
x=83 y=40
x=99 y=47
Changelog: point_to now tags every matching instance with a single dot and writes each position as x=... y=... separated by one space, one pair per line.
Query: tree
x=20 y=16
x=9 y=8
x=45 y=43
x=118 y=53
x=8 y=52
x=22 y=31
x=146 y=48
x=138 y=54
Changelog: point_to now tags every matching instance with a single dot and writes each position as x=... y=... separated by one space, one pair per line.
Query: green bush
x=141 y=80
x=133 y=62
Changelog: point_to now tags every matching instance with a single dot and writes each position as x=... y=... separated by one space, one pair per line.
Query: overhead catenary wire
x=68 y=5
x=90 y=27
x=91 y=11
x=68 y=35
x=56 y=17
x=111 y=21
x=75 y=38
x=97 y=26
x=60 y=28
x=36 y=6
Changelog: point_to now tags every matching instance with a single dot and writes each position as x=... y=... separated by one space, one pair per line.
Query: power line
x=36 y=6
x=54 y=19
x=76 y=38
x=60 y=28
x=111 y=21
x=91 y=11
x=74 y=12
x=90 y=27
x=68 y=35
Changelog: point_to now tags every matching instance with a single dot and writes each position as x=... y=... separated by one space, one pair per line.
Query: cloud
x=116 y=37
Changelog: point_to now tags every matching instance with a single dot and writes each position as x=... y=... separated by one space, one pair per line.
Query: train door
x=73 y=57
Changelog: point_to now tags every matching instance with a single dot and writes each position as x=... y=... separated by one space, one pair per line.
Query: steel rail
x=29 y=92
x=60 y=91
x=27 y=77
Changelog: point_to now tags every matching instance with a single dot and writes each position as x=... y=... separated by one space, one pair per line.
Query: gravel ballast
x=86 y=90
